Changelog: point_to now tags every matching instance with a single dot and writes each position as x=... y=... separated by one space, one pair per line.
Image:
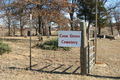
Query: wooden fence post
x=83 y=49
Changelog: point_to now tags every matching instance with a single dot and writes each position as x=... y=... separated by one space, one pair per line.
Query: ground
x=57 y=65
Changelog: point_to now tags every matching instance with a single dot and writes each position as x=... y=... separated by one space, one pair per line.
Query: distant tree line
x=46 y=11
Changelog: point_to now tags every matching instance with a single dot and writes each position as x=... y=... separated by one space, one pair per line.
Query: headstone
x=104 y=36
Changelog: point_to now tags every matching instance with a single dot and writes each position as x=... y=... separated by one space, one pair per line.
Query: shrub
x=51 y=45
x=4 y=48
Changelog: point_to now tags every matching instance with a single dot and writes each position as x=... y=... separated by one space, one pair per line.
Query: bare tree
x=111 y=12
x=117 y=19
x=72 y=9
x=6 y=13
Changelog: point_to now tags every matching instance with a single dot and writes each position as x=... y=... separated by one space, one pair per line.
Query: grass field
x=57 y=65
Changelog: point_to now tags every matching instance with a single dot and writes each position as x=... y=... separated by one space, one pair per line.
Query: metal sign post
x=30 y=38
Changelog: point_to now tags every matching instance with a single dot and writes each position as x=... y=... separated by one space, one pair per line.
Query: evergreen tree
x=102 y=19
x=87 y=12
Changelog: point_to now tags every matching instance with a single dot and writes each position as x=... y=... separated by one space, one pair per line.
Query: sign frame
x=69 y=38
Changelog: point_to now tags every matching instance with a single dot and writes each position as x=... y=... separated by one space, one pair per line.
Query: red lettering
x=74 y=36
x=62 y=41
x=60 y=35
x=69 y=42
x=65 y=36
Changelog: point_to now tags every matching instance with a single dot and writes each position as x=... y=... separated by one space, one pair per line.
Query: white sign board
x=69 y=39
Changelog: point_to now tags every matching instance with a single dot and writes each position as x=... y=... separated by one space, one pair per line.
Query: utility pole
x=96 y=30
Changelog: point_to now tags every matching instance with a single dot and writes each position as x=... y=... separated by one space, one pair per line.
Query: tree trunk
x=13 y=28
x=71 y=26
x=111 y=27
x=9 y=29
x=40 y=18
x=71 y=23
x=40 y=26
x=50 y=30
x=47 y=31
x=21 y=28
x=118 y=31
x=8 y=26
x=71 y=17
x=43 y=31
x=36 y=32
x=14 y=31
x=99 y=31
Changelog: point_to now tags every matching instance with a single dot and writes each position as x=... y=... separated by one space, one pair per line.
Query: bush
x=51 y=45
x=4 y=48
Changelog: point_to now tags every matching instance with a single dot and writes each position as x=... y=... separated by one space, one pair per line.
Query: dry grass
x=57 y=65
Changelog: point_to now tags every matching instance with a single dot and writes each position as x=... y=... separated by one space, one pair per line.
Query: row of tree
x=46 y=11
x=43 y=12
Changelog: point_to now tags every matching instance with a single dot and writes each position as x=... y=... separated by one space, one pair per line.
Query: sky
x=112 y=3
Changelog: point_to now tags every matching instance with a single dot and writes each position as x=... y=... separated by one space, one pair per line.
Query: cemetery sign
x=69 y=39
